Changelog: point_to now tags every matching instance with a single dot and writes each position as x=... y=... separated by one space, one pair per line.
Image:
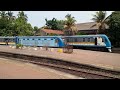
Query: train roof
x=7 y=37
x=87 y=35
x=97 y=35
x=37 y=36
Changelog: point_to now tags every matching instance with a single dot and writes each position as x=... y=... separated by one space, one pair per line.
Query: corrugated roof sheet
x=53 y=31
x=87 y=26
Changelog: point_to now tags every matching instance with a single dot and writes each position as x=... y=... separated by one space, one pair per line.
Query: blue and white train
x=100 y=41
x=95 y=42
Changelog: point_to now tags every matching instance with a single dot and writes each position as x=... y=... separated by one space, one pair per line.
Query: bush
x=19 y=46
x=81 y=33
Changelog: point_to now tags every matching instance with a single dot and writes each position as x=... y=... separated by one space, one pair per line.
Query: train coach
x=7 y=40
x=95 y=42
x=50 y=41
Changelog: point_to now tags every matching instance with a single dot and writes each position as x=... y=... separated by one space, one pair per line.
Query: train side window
x=88 y=39
x=52 y=39
x=71 y=40
x=23 y=39
x=45 y=39
x=27 y=39
x=78 y=39
x=38 y=39
x=67 y=39
x=33 y=39
x=83 y=39
x=75 y=39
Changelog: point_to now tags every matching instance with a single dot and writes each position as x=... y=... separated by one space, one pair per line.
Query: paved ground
x=10 y=69
x=100 y=59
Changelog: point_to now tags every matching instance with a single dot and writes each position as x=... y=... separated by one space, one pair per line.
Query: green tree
x=6 y=23
x=21 y=26
x=3 y=14
x=36 y=30
x=101 y=21
x=60 y=24
x=114 y=28
x=11 y=22
x=22 y=16
x=12 y=26
x=10 y=16
x=70 y=24
x=54 y=24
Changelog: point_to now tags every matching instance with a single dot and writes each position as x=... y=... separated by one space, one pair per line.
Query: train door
x=56 y=42
x=100 y=41
x=6 y=41
x=65 y=41
x=95 y=40
x=45 y=42
x=52 y=42
x=39 y=41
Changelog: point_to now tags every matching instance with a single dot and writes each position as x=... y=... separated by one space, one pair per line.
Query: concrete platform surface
x=94 y=58
x=10 y=69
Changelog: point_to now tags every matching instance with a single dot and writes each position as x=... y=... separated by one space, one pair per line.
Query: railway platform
x=104 y=60
x=10 y=69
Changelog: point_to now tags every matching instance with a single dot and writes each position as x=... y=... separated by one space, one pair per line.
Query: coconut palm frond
x=101 y=20
x=93 y=25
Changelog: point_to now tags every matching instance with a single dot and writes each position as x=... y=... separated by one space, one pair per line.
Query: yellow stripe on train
x=82 y=43
x=8 y=42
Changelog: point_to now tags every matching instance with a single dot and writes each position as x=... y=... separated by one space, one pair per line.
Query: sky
x=37 y=18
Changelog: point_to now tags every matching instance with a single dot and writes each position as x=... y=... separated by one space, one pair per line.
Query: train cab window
x=83 y=39
x=102 y=40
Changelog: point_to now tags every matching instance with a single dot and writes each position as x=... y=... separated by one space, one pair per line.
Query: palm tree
x=70 y=24
x=22 y=15
x=101 y=21
x=3 y=15
x=10 y=15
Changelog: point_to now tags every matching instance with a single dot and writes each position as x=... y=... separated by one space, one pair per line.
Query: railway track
x=85 y=71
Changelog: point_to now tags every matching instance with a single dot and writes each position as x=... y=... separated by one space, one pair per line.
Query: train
x=99 y=41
